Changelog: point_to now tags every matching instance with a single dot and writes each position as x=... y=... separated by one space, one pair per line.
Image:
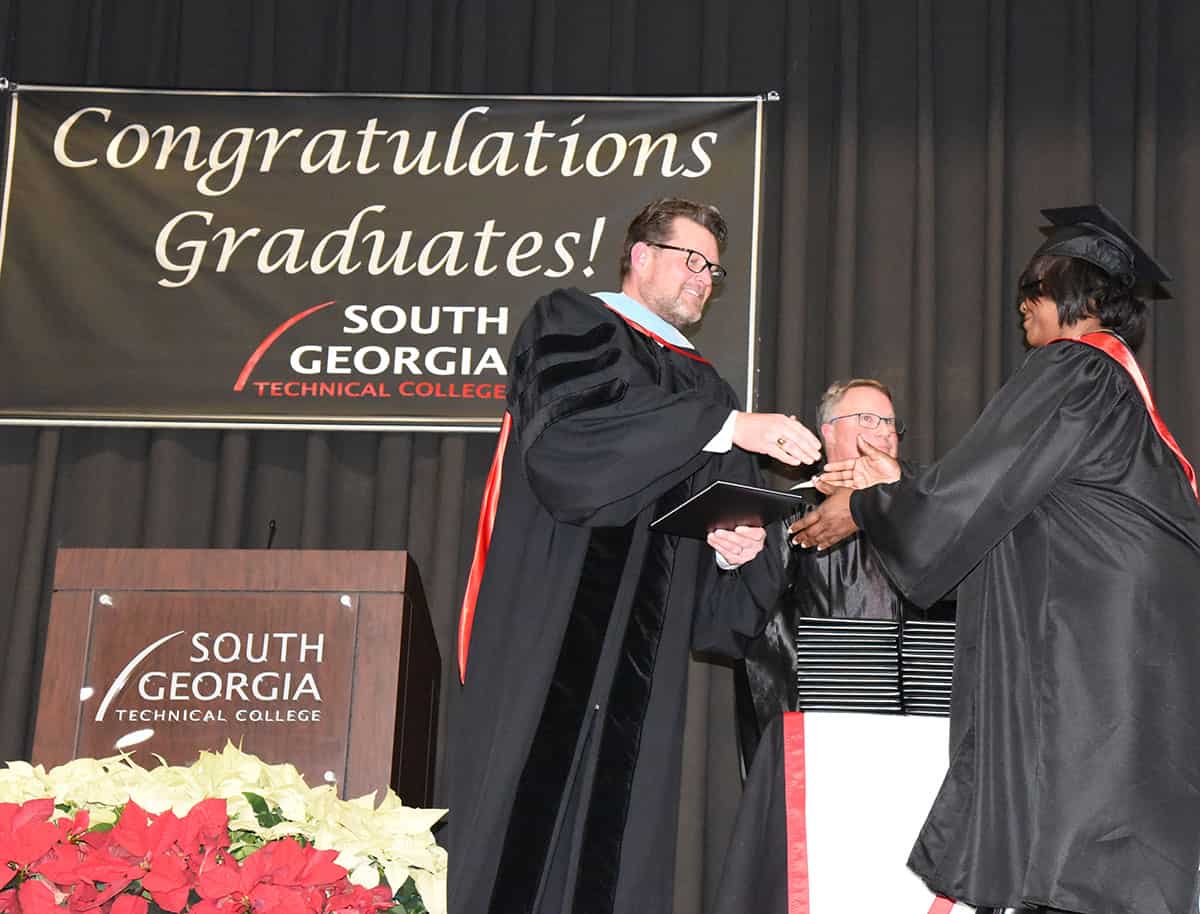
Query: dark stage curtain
x=913 y=146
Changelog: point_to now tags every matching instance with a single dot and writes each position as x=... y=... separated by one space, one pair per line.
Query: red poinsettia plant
x=165 y=863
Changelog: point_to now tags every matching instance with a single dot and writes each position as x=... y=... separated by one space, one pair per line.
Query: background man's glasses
x=871 y=420
x=696 y=262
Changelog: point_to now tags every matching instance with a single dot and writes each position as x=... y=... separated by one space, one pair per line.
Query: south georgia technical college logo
x=279 y=684
x=439 y=352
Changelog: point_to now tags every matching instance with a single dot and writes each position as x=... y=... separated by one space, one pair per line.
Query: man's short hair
x=835 y=391
x=655 y=220
x=1081 y=290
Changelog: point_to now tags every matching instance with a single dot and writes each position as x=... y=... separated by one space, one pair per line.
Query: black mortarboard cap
x=1093 y=234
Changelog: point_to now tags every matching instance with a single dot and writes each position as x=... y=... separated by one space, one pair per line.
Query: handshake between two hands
x=831 y=522
x=788 y=441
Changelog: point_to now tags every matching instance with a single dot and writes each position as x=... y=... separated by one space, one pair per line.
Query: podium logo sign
x=201 y=685
x=261 y=670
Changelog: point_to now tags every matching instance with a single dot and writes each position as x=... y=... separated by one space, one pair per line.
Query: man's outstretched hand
x=778 y=436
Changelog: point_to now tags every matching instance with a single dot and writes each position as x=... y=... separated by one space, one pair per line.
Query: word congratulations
x=223 y=160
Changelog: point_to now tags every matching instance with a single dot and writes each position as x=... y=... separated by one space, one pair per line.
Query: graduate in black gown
x=1068 y=519
x=566 y=740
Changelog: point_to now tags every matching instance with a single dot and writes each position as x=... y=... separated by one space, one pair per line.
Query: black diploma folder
x=725 y=505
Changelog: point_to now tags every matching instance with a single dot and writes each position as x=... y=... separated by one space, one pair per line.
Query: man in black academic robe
x=1070 y=518
x=566 y=740
x=844 y=582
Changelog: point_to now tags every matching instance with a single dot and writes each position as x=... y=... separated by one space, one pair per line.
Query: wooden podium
x=325 y=659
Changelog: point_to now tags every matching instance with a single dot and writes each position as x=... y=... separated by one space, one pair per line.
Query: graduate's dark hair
x=1081 y=290
x=654 y=223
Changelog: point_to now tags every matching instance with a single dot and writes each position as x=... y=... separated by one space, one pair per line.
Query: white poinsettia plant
x=385 y=844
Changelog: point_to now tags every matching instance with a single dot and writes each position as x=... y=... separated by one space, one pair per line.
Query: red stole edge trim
x=687 y=353
x=483 y=539
x=1113 y=346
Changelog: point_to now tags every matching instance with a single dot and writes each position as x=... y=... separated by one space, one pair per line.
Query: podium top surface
x=359 y=571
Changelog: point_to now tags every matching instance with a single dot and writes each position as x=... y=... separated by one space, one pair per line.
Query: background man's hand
x=776 y=435
x=871 y=468
x=739 y=545
x=826 y=525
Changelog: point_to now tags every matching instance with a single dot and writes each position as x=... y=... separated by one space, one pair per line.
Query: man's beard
x=676 y=313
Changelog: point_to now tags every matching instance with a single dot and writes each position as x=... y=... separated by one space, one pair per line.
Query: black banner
x=188 y=258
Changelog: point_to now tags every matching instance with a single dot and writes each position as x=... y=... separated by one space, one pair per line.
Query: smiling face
x=1039 y=320
x=841 y=435
x=1055 y=298
x=660 y=279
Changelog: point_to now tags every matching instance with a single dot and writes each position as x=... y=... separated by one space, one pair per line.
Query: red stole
x=1112 y=345
x=483 y=539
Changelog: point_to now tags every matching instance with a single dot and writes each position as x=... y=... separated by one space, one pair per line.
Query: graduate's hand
x=776 y=435
x=871 y=468
x=739 y=545
x=826 y=525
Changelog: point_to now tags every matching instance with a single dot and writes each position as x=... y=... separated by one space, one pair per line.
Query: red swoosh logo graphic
x=266 y=344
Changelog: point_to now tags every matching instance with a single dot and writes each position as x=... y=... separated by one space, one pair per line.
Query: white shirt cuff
x=724 y=565
x=722 y=441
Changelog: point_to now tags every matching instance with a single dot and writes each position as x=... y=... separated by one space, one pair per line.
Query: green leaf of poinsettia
x=267 y=817
x=408 y=900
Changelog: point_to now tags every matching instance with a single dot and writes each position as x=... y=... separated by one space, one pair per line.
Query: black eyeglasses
x=696 y=262
x=873 y=420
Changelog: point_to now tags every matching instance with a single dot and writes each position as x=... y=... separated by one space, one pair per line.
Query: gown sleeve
x=930 y=530
x=600 y=438
x=734 y=606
